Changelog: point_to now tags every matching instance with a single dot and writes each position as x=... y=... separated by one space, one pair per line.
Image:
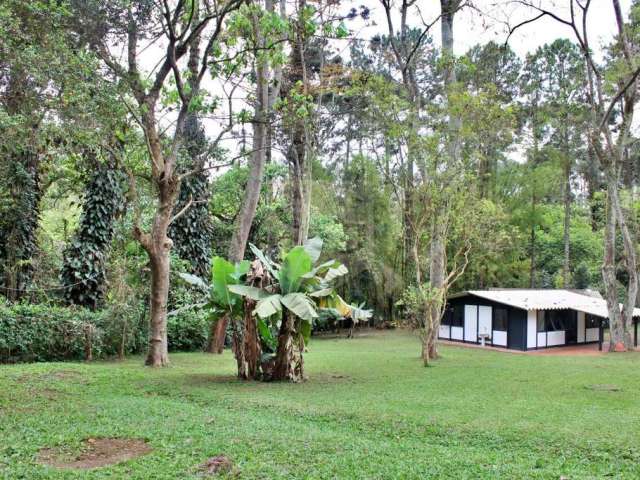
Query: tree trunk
x=258 y=156
x=609 y=278
x=158 y=245
x=288 y=365
x=437 y=269
x=247 y=344
x=217 y=335
x=158 y=354
x=566 y=271
x=630 y=260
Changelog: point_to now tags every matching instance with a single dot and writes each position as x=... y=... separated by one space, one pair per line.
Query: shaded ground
x=369 y=411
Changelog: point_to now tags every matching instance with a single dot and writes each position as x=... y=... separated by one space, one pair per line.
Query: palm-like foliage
x=301 y=287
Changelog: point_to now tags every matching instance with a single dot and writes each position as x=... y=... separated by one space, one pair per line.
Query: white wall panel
x=471 y=323
x=532 y=326
x=456 y=333
x=500 y=338
x=555 y=338
x=542 y=339
x=484 y=320
x=581 y=327
x=445 y=331
x=593 y=334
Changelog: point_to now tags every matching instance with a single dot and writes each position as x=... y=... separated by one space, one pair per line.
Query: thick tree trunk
x=158 y=245
x=246 y=344
x=609 y=278
x=630 y=260
x=158 y=354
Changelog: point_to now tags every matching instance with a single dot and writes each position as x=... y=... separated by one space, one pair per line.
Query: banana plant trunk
x=246 y=344
x=288 y=365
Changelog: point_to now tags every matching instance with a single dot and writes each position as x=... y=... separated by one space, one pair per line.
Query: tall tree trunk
x=298 y=153
x=437 y=269
x=609 y=277
x=438 y=245
x=566 y=271
x=630 y=261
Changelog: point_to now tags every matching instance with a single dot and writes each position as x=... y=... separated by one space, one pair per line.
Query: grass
x=369 y=410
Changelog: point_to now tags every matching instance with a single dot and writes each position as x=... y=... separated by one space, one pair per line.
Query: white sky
x=472 y=27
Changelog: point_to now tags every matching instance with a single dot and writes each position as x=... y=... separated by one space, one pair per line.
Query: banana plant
x=292 y=298
x=223 y=304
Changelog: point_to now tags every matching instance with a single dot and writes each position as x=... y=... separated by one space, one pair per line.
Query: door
x=471 y=323
x=484 y=321
x=516 y=333
x=571 y=327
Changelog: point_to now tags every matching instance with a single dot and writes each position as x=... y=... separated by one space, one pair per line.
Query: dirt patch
x=605 y=387
x=94 y=453
x=216 y=465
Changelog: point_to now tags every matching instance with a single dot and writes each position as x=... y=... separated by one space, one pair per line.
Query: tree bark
x=566 y=271
x=288 y=365
x=437 y=280
x=217 y=335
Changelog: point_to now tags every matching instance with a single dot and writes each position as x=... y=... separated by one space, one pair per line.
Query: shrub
x=36 y=332
x=40 y=332
x=188 y=330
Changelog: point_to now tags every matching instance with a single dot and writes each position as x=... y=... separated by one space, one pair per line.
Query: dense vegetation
x=368 y=411
x=139 y=139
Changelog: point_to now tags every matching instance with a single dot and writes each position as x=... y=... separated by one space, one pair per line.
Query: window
x=591 y=321
x=541 y=321
x=554 y=320
x=457 y=320
x=500 y=318
x=447 y=316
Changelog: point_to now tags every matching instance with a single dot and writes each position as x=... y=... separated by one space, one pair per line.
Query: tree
x=185 y=25
x=611 y=99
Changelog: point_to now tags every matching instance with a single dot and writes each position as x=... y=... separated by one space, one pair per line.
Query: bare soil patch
x=219 y=464
x=94 y=453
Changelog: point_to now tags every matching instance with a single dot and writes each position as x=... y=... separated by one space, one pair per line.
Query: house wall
x=479 y=316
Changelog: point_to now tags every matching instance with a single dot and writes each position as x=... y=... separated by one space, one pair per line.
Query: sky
x=487 y=21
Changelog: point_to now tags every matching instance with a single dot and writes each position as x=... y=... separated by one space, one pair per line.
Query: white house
x=527 y=319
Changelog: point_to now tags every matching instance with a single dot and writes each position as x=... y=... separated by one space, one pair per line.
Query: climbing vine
x=83 y=271
x=192 y=232
x=19 y=222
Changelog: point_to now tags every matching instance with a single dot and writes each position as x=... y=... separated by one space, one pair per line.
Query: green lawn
x=369 y=410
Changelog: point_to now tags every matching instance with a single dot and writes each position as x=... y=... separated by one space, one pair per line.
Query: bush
x=40 y=332
x=35 y=332
x=188 y=330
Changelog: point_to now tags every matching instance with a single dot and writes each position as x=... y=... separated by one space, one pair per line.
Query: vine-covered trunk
x=288 y=365
x=19 y=243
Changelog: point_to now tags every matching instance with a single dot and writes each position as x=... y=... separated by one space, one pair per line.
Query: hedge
x=38 y=332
